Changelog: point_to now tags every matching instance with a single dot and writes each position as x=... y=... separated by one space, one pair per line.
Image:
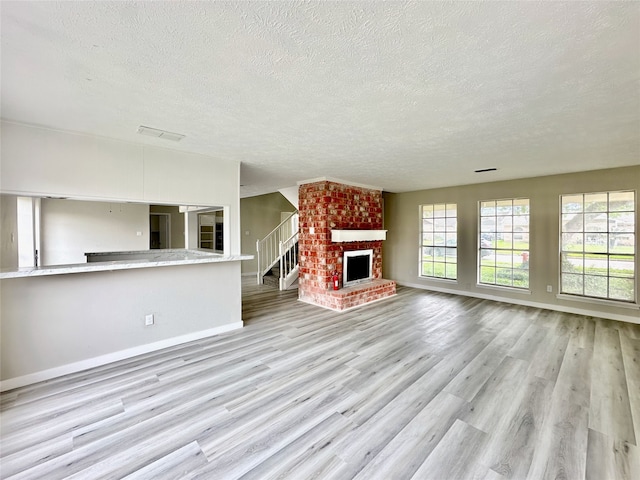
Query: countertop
x=153 y=258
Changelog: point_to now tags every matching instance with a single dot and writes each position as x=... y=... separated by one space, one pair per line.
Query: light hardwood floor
x=420 y=386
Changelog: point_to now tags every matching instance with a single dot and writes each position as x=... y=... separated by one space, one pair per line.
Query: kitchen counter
x=109 y=261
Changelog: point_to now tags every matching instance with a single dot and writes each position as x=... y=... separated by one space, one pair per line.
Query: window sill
x=438 y=279
x=598 y=301
x=523 y=291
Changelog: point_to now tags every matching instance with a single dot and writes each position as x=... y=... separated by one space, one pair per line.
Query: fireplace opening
x=357 y=267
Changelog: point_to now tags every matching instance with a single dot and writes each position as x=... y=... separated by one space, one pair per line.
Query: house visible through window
x=439 y=241
x=504 y=243
x=598 y=245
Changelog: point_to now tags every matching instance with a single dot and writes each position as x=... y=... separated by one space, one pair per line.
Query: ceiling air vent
x=154 y=132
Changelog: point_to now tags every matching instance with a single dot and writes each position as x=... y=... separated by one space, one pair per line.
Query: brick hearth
x=323 y=206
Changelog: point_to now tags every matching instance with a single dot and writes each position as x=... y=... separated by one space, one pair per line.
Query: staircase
x=277 y=255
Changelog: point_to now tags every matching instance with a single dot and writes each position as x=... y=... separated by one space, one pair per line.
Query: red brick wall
x=324 y=206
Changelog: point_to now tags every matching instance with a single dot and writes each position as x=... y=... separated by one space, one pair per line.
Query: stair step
x=271 y=280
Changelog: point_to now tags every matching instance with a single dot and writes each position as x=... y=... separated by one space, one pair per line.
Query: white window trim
x=574 y=297
x=438 y=279
x=420 y=245
x=598 y=301
x=511 y=288
x=525 y=291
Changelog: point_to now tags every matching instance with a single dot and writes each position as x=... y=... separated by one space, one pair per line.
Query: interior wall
x=8 y=232
x=44 y=163
x=400 y=251
x=73 y=321
x=71 y=228
x=259 y=215
x=177 y=223
x=48 y=163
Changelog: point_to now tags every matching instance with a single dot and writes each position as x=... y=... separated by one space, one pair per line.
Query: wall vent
x=155 y=132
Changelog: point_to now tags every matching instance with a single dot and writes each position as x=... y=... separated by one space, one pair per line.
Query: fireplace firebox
x=357 y=266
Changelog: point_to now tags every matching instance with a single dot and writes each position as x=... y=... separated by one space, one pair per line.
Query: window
x=504 y=243
x=598 y=245
x=439 y=241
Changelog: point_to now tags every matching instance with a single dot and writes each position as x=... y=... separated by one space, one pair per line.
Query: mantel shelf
x=358 y=235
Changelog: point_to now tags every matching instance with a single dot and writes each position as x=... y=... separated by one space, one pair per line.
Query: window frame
x=565 y=253
x=483 y=267
x=448 y=233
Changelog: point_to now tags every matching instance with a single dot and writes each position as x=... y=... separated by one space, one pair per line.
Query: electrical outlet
x=549 y=288
x=148 y=319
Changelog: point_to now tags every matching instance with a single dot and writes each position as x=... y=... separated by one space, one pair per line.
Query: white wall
x=71 y=228
x=8 y=232
x=63 y=322
x=43 y=162
x=28 y=210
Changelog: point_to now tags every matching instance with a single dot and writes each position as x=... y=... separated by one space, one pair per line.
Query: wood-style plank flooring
x=419 y=386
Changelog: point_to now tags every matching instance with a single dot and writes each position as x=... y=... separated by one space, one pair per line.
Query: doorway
x=159 y=230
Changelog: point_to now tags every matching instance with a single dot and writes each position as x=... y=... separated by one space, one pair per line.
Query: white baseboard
x=250 y=274
x=547 y=306
x=75 y=367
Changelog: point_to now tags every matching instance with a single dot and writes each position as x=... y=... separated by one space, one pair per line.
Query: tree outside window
x=598 y=245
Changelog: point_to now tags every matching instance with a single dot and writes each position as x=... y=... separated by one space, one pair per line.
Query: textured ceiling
x=404 y=95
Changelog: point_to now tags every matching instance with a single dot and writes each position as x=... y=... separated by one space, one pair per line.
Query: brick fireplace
x=326 y=206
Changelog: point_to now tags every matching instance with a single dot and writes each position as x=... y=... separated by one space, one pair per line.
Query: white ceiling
x=403 y=95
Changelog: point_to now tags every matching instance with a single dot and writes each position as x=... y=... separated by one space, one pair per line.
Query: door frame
x=167 y=223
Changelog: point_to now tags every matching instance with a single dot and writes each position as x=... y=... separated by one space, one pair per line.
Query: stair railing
x=288 y=261
x=268 y=249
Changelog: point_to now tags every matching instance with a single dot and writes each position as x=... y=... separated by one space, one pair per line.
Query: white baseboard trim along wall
x=36 y=377
x=40 y=376
x=558 y=308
